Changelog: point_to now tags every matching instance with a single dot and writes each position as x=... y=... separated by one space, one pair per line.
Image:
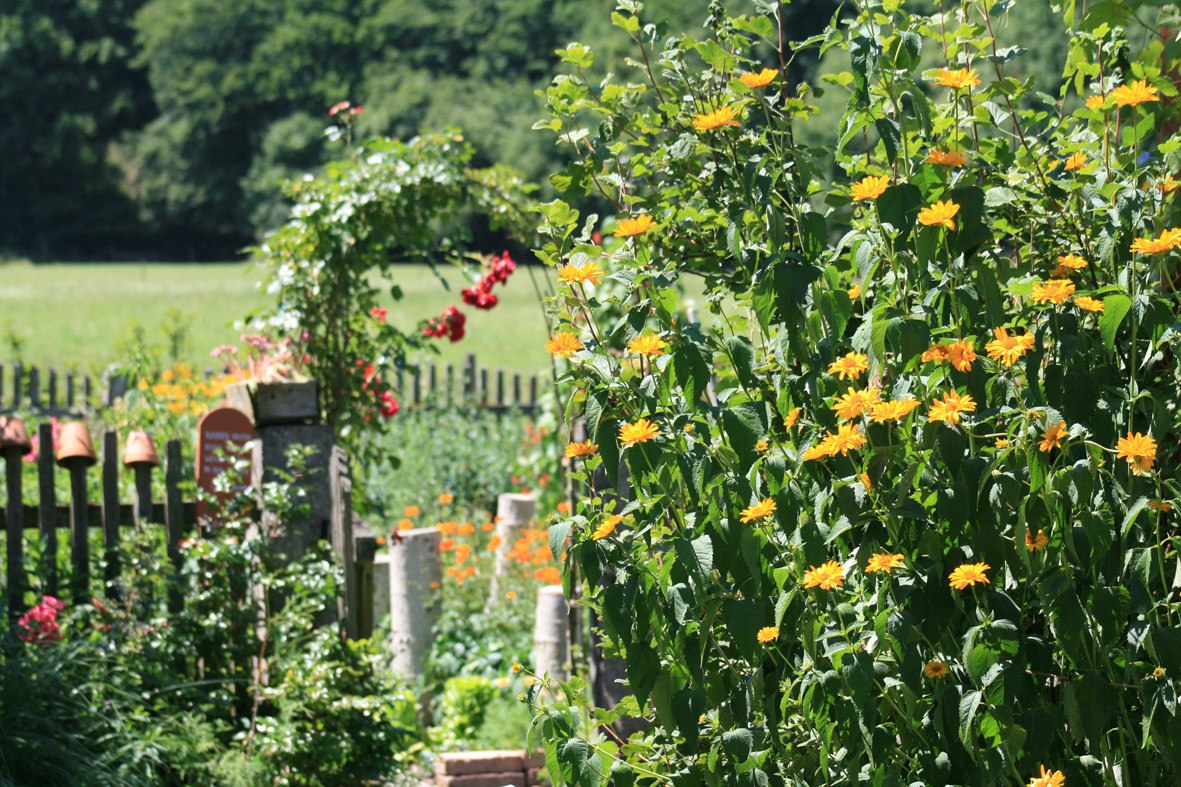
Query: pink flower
x=450 y=325
x=223 y=349
x=39 y=624
x=337 y=108
x=388 y=404
x=378 y=313
x=36 y=452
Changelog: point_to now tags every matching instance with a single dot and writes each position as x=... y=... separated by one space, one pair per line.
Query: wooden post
x=484 y=385
x=500 y=387
x=47 y=507
x=87 y=391
x=517 y=389
x=79 y=528
x=532 y=391
x=34 y=387
x=70 y=391
x=469 y=376
x=173 y=518
x=432 y=377
x=450 y=384
x=111 y=506
x=551 y=634
x=340 y=533
x=18 y=380
x=51 y=395
x=15 y=509
x=415 y=577
x=416 y=375
x=141 y=511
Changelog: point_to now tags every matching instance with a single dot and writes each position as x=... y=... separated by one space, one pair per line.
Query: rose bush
x=903 y=513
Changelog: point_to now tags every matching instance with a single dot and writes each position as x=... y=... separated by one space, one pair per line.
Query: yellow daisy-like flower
x=1008 y=349
x=638 y=225
x=768 y=634
x=589 y=273
x=950 y=407
x=821 y=450
x=893 y=410
x=1166 y=241
x=870 y=187
x=763 y=508
x=762 y=446
x=1052 y=437
x=935 y=669
x=1034 y=543
x=648 y=344
x=940 y=214
x=1087 y=303
x=1163 y=506
x=607 y=528
x=1048 y=779
x=865 y=482
x=848 y=438
x=1134 y=94
x=1068 y=264
x=1139 y=450
x=884 y=562
x=1167 y=186
x=563 y=345
x=947 y=158
x=936 y=353
x=957 y=79
x=761 y=79
x=960 y=354
x=1053 y=291
x=1076 y=161
x=641 y=431
x=793 y=415
x=826 y=577
x=581 y=449
x=969 y=574
x=854 y=292
x=722 y=116
x=1096 y=102
x=1001 y=443
x=849 y=366
x=855 y=403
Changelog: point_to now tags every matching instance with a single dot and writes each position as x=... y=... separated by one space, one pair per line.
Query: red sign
x=222 y=435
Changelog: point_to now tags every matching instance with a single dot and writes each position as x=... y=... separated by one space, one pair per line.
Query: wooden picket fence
x=47 y=390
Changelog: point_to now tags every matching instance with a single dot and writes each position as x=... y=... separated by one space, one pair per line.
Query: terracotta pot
x=14 y=435
x=75 y=444
x=140 y=449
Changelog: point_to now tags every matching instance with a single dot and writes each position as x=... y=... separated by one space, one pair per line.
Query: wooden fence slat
x=533 y=391
x=18 y=375
x=34 y=387
x=142 y=506
x=51 y=386
x=517 y=388
x=47 y=507
x=79 y=530
x=469 y=375
x=70 y=391
x=483 y=392
x=500 y=388
x=1 y=385
x=14 y=511
x=432 y=381
x=173 y=517
x=450 y=383
x=417 y=386
x=87 y=391
x=111 y=505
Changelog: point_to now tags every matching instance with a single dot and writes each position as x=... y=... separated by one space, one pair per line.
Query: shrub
x=904 y=512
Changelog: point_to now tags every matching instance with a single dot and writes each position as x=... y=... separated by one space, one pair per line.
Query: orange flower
x=1008 y=349
x=1034 y=543
x=549 y=575
x=893 y=410
x=884 y=562
x=462 y=553
x=958 y=79
x=761 y=79
x=1052 y=437
x=826 y=576
x=647 y=344
x=405 y=524
x=1076 y=161
x=936 y=670
x=821 y=450
x=629 y=227
x=510 y=595
x=1166 y=241
x=1095 y=102
x=411 y=511
x=793 y=415
x=1053 y=291
x=1048 y=779
x=1164 y=506
x=869 y=187
x=723 y=116
x=1134 y=94
x=951 y=158
x=639 y=432
x=1139 y=450
x=941 y=213
x=936 y=353
x=968 y=574
x=589 y=273
x=446 y=499
x=759 y=510
x=586 y=448
x=854 y=403
x=447 y=528
x=960 y=354
x=563 y=344
x=847 y=438
x=487 y=527
x=494 y=543
x=1069 y=264
x=466 y=529
x=564 y=507
x=850 y=366
x=854 y=292
x=607 y=527
x=447 y=544
x=950 y=407
x=767 y=634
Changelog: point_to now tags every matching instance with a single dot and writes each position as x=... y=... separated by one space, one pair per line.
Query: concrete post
x=415 y=576
x=514 y=512
x=551 y=634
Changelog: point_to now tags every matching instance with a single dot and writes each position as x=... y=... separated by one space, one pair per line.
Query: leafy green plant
x=903 y=513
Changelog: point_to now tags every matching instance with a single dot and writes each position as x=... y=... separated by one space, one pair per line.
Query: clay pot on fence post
x=14 y=445
x=140 y=455
x=75 y=453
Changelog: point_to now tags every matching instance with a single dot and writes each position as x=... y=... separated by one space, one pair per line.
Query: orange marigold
x=639 y=432
x=968 y=574
x=1008 y=349
x=563 y=344
x=885 y=562
x=950 y=158
x=958 y=79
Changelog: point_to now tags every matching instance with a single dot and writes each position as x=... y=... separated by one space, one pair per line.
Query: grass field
x=80 y=316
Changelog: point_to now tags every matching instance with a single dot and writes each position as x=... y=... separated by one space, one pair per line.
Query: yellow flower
x=936 y=353
x=590 y=273
x=446 y=499
x=1163 y=506
x=763 y=508
x=958 y=79
x=941 y=214
x=855 y=403
x=848 y=438
x=949 y=158
x=850 y=366
x=821 y=450
x=1068 y=265
x=968 y=574
x=935 y=669
x=1095 y=102
x=1088 y=304
x=960 y=354
x=883 y=562
x=648 y=344
x=563 y=345
x=865 y=482
x=723 y=116
x=1135 y=93
x=761 y=79
x=1166 y=241
x=768 y=634
x=1008 y=349
x=639 y=432
x=793 y=415
x=854 y=292
x=581 y=449
x=607 y=528
x=869 y=187
x=1053 y=291
x=949 y=408
x=517 y=667
x=1167 y=186
x=893 y=410
x=1001 y=443
x=1052 y=437
x=1076 y=161
x=1034 y=543
x=762 y=446
x=626 y=228
x=1048 y=779
x=1138 y=449
x=826 y=577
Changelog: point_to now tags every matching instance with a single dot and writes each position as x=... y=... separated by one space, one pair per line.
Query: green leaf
x=557 y=538
x=899 y=207
x=743 y=620
x=891 y=136
x=742 y=354
x=738 y=744
x=1115 y=308
x=969 y=706
x=628 y=24
x=697 y=556
x=745 y=425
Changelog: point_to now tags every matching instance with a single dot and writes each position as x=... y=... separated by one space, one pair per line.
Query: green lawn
x=79 y=316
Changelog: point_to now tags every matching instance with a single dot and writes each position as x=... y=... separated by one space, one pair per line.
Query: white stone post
x=551 y=634
x=514 y=512
x=415 y=576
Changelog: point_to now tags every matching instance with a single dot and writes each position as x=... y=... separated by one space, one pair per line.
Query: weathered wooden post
x=14 y=444
x=551 y=634
x=47 y=506
x=514 y=512
x=76 y=454
x=415 y=576
x=140 y=456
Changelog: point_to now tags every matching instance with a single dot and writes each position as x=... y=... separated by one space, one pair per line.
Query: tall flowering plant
x=902 y=511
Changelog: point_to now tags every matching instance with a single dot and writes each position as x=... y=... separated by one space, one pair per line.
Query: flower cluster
x=501 y=266
x=450 y=325
x=40 y=624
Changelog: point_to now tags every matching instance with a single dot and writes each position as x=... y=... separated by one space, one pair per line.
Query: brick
x=456 y=763
x=513 y=779
x=535 y=778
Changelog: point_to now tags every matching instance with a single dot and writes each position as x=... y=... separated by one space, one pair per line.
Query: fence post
x=513 y=512
x=551 y=634
x=173 y=517
x=15 y=443
x=76 y=454
x=111 y=506
x=47 y=506
x=341 y=535
x=415 y=577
